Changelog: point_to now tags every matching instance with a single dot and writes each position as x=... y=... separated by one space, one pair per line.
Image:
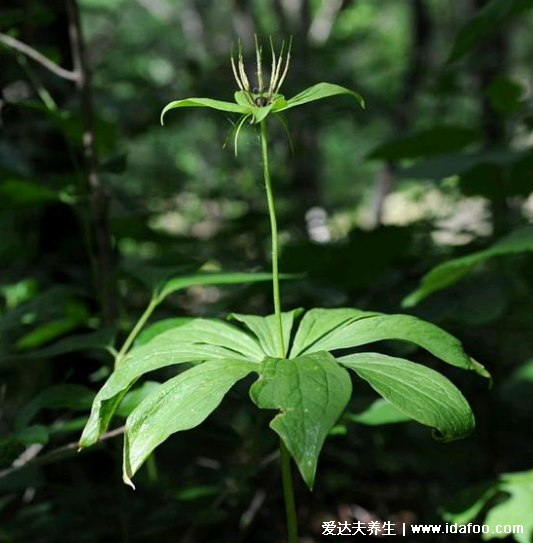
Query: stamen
x=259 y=54
x=234 y=68
x=287 y=63
x=273 y=69
x=244 y=78
x=278 y=68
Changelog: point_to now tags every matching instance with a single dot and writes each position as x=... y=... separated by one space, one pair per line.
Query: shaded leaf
x=180 y=404
x=468 y=504
x=63 y=396
x=378 y=412
x=32 y=434
x=311 y=392
x=417 y=391
x=134 y=397
x=485 y=23
x=505 y=95
x=20 y=192
x=450 y=272
x=100 y=340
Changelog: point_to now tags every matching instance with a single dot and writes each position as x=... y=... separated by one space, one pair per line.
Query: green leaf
x=21 y=193
x=241 y=97
x=318 y=324
x=209 y=278
x=266 y=330
x=63 y=396
x=516 y=510
x=159 y=327
x=99 y=340
x=163 y=351
x=134 y=397
x=229 y=107
x=311 y=392
x=215 y=332
x=468 y=504
x=319 y=92
x=75 y=315
x=180 y=404
x=505 y=95
x=32 y=434
x=450 y=272
x=399 y=327
x=417 y=391
x=261 y=113
x=485 y=23
x=379 y=412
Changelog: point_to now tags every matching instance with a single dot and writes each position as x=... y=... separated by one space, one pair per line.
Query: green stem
x=286 y=475
x=135 y=330
x=274 y=233
x=288 y=493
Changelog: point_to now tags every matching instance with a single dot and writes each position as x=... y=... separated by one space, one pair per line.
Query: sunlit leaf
x=398 y=327
x=159 y=327
x=229 y=107
x=319 y=92
x=180 y=404
x=318 y=324
x=417 y=391
x=513 y=511
x=311 y=392
x=163 y=351
x=180 y=282
x=215 y=332
x=265 y=328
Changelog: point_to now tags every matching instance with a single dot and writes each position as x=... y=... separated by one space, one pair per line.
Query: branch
x=103 y=245
x=32 y=53
x=29 y=458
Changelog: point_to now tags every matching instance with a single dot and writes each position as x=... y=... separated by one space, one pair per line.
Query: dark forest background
x=98 y=201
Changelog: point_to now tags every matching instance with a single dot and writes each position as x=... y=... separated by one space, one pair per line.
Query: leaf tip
x=128 y=481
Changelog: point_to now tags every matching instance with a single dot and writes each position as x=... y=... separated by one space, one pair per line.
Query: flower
x=254 y=104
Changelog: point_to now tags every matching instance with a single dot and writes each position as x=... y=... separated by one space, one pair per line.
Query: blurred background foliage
x=422 y=200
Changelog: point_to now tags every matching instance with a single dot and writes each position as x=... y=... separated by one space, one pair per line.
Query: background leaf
x=485 y=23
x=377 y=413
x=450 y=272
